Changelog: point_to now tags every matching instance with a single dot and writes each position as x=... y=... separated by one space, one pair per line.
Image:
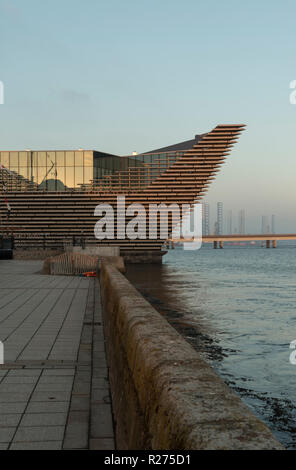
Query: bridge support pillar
x=274 y=243
x=221 y=245
x=215 y=245
x=267 y=243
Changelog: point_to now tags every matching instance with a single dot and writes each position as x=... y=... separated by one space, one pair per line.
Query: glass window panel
x=41 y=159
x=13 y=159
x=33 y=163
x=88 y=174
x=101 y=162
x=23 y=159
x=61 y=182
x=51 y=158
x=124 y=164
x=70 y=159
x=50 y=185
x=108 y=163
x=51 y=172
x=88 y=158
x=34 y=158
x=79 y=158
x=60 y=158
x=78 y=176
x=114 y=164
x=24 y=171
x=33 y=178
x=5 y=159
x=97 y=173
x=41 y=174
x=70 y=183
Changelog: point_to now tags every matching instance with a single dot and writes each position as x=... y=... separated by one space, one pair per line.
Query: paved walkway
x=54 y=391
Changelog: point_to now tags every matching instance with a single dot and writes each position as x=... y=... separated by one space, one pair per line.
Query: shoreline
x=174 y=399
x=218 y=341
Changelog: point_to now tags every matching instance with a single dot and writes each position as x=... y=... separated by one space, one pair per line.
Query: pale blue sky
x=133 y=75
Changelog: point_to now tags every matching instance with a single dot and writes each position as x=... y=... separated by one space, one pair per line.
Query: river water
x=236 y=306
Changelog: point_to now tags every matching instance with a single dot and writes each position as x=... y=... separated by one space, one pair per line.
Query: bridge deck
x=250 y=237
x=241 y=238
x=54 y=391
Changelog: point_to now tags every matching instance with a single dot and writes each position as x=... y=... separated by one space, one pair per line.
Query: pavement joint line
x=44 y=320
x=43 y=364
x=63 y=323
x=24 y=411
x=27 y=300
x=19 y=293
x=14 y=311
x=76 y=380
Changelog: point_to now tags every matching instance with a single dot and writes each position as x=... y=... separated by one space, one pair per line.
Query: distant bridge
x=218 y=240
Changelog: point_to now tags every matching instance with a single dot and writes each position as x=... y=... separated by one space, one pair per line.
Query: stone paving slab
x=43 y=419
x=4 y=446
x=39 y=434
x=102 y=444
x=52 y=445
x=54 y=389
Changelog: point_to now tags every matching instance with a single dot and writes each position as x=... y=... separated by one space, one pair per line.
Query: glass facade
x=74 y=170
x=50 y=170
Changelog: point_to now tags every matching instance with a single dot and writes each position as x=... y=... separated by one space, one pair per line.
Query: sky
x=136 y=75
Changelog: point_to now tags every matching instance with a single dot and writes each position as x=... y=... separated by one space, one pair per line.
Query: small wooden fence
x=72 y=264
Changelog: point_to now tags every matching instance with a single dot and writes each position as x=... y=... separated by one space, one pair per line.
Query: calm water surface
x=237 y=308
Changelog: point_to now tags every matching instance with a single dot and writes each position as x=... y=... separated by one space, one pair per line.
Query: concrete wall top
x=98 y=250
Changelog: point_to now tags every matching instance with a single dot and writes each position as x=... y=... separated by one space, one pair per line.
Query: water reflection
x=237 y=308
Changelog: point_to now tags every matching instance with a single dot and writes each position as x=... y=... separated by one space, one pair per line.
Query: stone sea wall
x=164 y=396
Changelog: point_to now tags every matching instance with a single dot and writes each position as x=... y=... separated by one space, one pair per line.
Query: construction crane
x=52 y=166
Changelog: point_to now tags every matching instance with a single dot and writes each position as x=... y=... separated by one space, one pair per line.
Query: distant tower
x=205 y=219
x=220 y=218
x=273 y=224
x=216 y=232
x=242 y=222
x=229 y=222
x=264 y=224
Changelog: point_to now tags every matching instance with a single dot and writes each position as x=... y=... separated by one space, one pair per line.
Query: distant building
x=273 y=229
x=242 y=222
x=229 y=222
x=219 y=227
x=264 y=224
x=205 y=219
x=51 y=196
x=216 y=229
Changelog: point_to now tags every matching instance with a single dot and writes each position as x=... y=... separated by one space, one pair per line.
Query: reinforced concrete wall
x=97 y=250
x=164 y=396
x=37 y=254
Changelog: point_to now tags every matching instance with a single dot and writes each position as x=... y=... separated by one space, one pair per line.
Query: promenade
x=54 y=390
